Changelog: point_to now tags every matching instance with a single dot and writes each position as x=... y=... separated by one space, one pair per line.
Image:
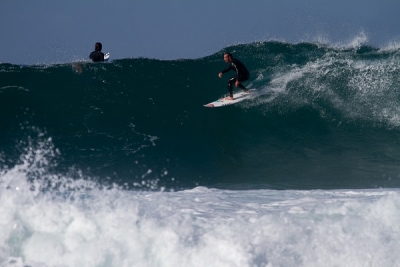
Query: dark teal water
x=322 y=118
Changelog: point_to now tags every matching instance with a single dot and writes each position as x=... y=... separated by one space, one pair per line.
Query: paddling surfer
x=242 y=74
x=97 y=55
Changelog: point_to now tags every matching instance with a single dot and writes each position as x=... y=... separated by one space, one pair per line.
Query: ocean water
x=120 y=164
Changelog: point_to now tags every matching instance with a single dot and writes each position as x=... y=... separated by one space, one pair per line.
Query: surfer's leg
x=241 y=86
x=231 y=82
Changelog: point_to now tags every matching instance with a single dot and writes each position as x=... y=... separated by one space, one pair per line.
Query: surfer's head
x=227 y=57
x=98 y=47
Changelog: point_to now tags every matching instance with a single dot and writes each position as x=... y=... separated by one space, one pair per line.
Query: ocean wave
x=322 y=117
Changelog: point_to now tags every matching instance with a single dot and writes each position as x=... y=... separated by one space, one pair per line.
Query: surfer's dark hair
x=98 y=46
x=228 y=54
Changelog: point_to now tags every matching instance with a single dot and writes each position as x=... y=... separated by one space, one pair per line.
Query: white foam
x=199 y=227
x=357 y=87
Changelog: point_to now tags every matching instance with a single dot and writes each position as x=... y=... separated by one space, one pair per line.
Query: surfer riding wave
x=242 y=74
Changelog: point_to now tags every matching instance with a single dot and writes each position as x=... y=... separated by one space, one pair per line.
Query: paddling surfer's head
x=98 y=46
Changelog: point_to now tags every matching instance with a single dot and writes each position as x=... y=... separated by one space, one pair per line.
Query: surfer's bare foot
x=229 y=98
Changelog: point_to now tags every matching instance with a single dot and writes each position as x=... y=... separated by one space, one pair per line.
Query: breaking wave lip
x=371 y=81
x=354 y=42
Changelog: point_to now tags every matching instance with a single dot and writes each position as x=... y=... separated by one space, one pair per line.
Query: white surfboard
x=238 y=97
x=106 y=56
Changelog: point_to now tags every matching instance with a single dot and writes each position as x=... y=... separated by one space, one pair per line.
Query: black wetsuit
x=96 y=56
x=242 y=74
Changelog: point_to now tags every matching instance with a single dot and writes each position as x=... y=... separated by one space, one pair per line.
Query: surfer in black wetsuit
x=97 y=55
x=242 y=74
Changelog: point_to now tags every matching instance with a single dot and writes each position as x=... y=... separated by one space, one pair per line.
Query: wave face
x=322 y=118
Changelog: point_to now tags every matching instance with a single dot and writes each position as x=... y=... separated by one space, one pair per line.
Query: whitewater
x=66 y=222
x=110 y=165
